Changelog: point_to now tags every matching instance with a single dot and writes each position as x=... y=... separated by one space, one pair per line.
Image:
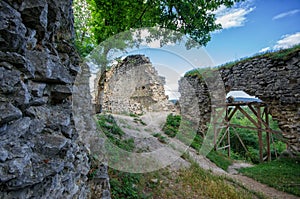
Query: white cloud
x=288 y=41
x=286 y=14
x=233 y=17
x=265 y=49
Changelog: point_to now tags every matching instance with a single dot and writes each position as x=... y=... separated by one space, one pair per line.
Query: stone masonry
x=41 y=154
x=276 y=81
x=132 y=86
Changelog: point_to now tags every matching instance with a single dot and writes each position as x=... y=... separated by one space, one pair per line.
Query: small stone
x=37 y=89
x=8 y=80
x=48 y=68
x=60 y=92
x=8 y=112
x=3 y=154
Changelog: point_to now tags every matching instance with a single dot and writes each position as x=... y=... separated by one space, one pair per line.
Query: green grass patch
x=172 y=125
x=161 y=138
x=216 y=157
x=282 y=174
x=113 y=132
x=220 y=159
x=171 y=129
x=198 y=183
x=193 y=182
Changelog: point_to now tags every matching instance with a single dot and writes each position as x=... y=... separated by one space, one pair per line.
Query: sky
x=249 y=27
x=254 y=26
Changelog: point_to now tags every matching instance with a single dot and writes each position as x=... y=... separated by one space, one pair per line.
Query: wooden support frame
x=261 y=124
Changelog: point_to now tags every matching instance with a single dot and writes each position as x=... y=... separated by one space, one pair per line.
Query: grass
x=193 y=182
x=197 y=183
x=282 y=174
x=284 y=54
x=161 y=138
x=171 y=129
x=186 y=183
x=114 y=133
x=172 y=125
x=220 y=159
x=216 y=157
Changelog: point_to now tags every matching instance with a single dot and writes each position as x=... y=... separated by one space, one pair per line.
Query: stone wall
x=132 y=86
x=41 y=155
x=195 y=102
x=276 y=81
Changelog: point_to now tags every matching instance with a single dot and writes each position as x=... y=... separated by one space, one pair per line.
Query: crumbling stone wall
x=132 y=86
x=41 y=155
x=276 y=81
x=195 y=102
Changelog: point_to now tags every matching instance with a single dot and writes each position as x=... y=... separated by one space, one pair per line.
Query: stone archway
x=276 y=81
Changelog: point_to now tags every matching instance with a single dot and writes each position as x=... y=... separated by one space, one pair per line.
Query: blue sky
x=254 y=26
x=249 y=27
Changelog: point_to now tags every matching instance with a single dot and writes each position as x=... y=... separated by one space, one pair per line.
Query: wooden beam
x=259 y=132
x=266 y=111
x=233 y=112
x=224 y=147
x=248 y=116
x=254 y=128
x=228 y=132
x=222 y=138
x=241 y=141
x=228 y=141
x=259 y=118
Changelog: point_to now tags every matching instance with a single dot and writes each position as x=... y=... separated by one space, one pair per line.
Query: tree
x=84 y=37
x=194 y=18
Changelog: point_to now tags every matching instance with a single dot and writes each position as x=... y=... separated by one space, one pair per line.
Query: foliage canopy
x=194 y=18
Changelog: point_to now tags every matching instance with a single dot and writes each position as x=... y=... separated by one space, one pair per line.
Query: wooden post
x=259 y=132
x=214 y=129
x=268 y=135
x=228 y=132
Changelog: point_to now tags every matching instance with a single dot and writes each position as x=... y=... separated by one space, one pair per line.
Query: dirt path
x=245 y=181
x=145 y=126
